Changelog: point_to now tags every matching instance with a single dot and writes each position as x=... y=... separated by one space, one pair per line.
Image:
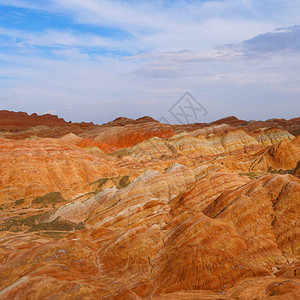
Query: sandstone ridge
x=137 y=209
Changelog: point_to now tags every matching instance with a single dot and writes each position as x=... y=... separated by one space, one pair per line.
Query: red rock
x=232 y=121
x=13 y=121
x=174 y=212
x=93 y=143
x=292 y=125
x=129 y=135
x=33 y=168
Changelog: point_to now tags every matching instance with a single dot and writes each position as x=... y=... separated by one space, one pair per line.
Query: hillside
x=136 y=209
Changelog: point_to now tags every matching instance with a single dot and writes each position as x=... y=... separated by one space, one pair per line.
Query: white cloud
x=172 y=50
x=192 y=25
x=53 y=38
x=21 y=4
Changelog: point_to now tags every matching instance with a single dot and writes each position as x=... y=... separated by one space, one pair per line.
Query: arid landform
x=137 y=209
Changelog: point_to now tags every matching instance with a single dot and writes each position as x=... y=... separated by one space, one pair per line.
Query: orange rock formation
x=135 y=209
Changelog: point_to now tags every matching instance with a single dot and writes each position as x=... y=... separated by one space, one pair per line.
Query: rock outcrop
x=270 y=136
x=14 y=121
x=33 y=168
x=283 y=155
x=136 y=209
x=291 y=125
x=236 y=141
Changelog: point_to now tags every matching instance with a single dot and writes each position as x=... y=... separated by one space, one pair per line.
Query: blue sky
x=95 y=60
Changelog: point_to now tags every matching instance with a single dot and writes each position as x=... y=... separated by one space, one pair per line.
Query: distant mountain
x=15 y=121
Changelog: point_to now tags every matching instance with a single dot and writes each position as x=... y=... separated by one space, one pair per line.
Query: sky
x=96 y=60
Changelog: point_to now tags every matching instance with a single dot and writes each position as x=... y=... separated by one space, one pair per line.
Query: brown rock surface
x=125 y=136
x=135 y=209
x=215 y=129
x=13 y=121
x=33 y=168
x=270 y=136
x=236 y=141
x=291 y=125
x=283 y=155
x=87 y=142
x=71 y=138
x=296 y=170
x=232 y=121
x=264 y=212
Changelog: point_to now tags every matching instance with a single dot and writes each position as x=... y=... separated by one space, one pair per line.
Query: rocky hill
x=136 y=209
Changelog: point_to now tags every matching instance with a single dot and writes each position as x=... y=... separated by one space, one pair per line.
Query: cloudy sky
x=95 y=60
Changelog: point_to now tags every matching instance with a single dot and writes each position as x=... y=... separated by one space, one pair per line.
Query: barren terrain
x=137 y=209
